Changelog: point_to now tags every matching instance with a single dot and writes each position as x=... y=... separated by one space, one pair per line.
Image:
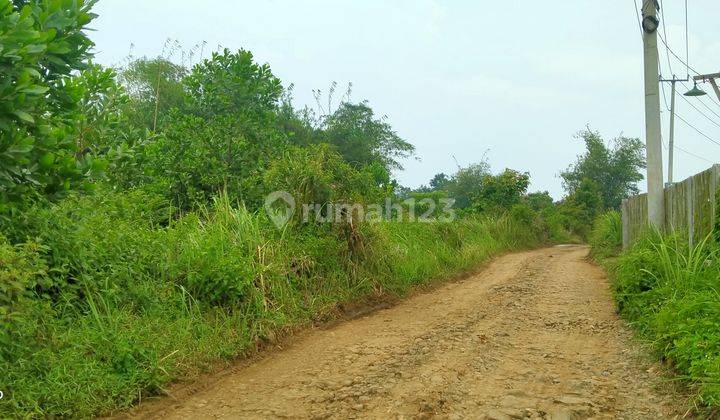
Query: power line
x=664 y=27
x=700 y=112
x=686 y=61
x=676 y=147
x=703 y=103
x=637 y=14
x=687 y=39
x=692 y=154
x=696 y=129
x=670 y=50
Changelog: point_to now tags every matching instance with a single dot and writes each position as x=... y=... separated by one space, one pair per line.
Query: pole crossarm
x=675 y=80
x=709 y=78
x=706 y=77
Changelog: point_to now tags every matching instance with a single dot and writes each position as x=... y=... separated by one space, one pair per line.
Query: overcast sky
x=512 y=80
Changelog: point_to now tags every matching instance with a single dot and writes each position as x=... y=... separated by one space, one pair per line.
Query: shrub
x=669 y=292
x=606 y=235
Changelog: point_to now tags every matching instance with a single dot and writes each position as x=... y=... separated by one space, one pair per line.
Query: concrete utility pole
x=655 y=193
x=671 y=141
x=710 y=78
x=672 y=125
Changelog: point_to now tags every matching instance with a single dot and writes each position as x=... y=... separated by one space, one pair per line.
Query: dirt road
x=533 y=335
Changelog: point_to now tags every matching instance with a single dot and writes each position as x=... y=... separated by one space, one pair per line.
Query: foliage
x=232 y=83
x=615 y=168
x=464 y=185
x=100 y=123
x=582 y=207
x=669 y=292
x=606 y=236
x=319 y=175
x=154 y=259
x=362 y=139
x=501 y=191
x=155 y=86
x=198 y=158
x=42 y=44
x=439 y=181
x=117 y=270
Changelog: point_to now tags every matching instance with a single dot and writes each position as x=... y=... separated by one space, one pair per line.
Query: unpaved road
x=533 y=335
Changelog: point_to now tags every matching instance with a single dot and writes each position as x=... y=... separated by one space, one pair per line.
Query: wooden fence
x=689 y=208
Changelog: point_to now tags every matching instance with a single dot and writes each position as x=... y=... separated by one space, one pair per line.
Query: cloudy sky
x=460 y=79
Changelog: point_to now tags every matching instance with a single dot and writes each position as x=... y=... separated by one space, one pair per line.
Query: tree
x=582 y=206
x=363 y=139
x=466 y=182
x=439 y=181
x=42 y=44
x=614 y=167
x=99 y=120
x=155 y=87
x=224 y=136
x=232 y=83
x=501 y=191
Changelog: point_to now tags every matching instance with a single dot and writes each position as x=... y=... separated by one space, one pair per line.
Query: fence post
x=625 y=224
x=690 y=212
x=713 y=196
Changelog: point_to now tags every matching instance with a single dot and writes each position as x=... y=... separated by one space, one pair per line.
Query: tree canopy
x=615 y=167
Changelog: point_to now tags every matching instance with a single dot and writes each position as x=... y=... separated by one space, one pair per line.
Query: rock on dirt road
x=533 y=335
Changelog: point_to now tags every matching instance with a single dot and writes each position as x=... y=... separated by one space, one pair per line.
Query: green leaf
x=24 y=116
x=36 y=90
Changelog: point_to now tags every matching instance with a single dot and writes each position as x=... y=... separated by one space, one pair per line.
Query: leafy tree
x=500 y=191
x=224 y=136
x=466 y=182
x=199 y=158
x=582 y=206
x=540 y=201
x=615 y=167
x=439 y=181
x=363 y=139
x=155 y=86
x=100 y=121
x=232 y=83
x=42 y=43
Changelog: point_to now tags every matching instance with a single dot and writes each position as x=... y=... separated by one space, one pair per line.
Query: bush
x=605 y=238
x=669 y=292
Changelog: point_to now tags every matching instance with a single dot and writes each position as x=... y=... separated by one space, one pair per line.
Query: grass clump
x=605 y=239
x=669 y=292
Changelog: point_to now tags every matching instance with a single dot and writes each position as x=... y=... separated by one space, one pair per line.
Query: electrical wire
x=692 y=154
x=696 y=129
x=670 y=50
x=676 y=147
x=664 y=27
x=687 y=40
x=702 y=102
x=637 y=14
x=686 y=61
x=712 y=120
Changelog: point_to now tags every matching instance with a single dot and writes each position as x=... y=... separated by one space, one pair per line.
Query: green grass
x=670 y=293
x=605 y=238
x=114 y=296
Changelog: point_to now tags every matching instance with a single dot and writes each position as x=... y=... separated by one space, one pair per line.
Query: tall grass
x=605 y=238
x=115 y=295
x=669 y=292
